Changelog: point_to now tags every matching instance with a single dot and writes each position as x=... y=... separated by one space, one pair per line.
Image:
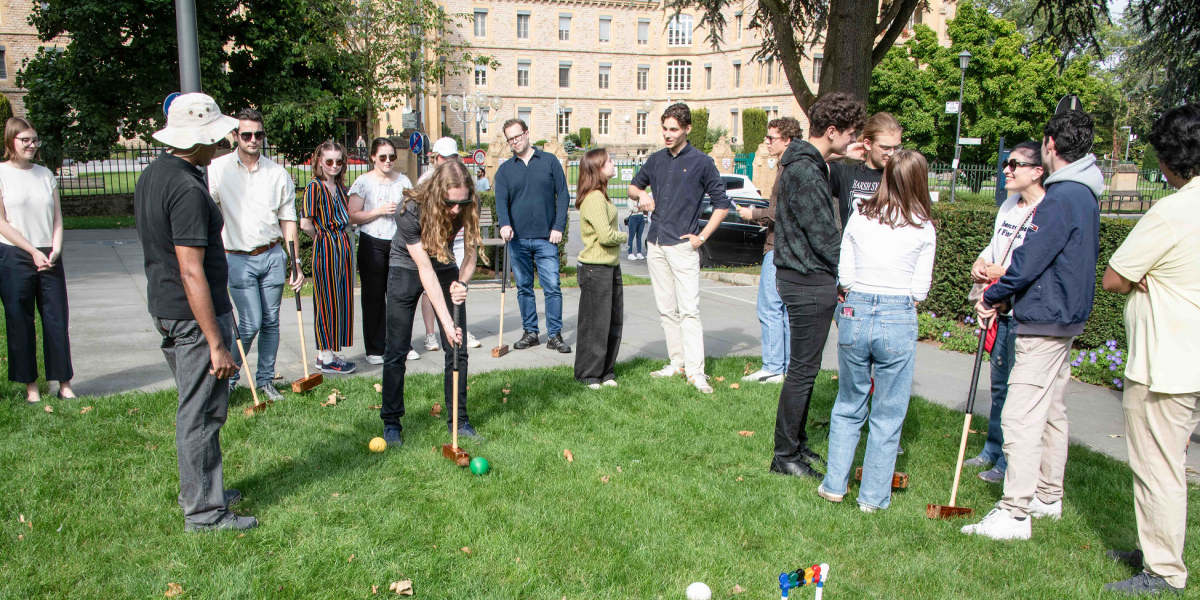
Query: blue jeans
x=525 y=253
x=1004 y=352
x=773 y=318
x=637 y=223
x=882 y=333
x=256 y=288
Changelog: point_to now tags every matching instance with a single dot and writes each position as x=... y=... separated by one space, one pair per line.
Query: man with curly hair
x=1158 y=268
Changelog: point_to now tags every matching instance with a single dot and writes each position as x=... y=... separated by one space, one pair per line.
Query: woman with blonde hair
x=885 y=268
x=323 y=216
x=601 y=297
x=31 y=267
x=422 y=261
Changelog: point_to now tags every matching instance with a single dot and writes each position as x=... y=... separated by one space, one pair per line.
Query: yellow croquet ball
x=377 y=445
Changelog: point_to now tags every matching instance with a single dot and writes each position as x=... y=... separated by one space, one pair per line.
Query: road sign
x=1068 y=102
x=952 y=108
x=408 y=120
x=478 y=156
x=167 y=103
x=970 y=141
x=414 y=142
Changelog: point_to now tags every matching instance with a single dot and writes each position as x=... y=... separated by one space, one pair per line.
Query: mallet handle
x=454 y=387
x=246 y=364
x=962 y=449
x=300 y=310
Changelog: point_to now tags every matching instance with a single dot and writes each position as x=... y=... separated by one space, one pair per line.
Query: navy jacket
x=1052 y=279
x=679 y=183
x=533 y=198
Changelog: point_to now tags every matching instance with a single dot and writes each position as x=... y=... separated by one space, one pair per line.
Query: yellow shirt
x=598 y=229
x=1163 y=323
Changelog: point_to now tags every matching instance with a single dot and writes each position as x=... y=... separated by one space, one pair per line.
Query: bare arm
x=433 y=290
x=306 y=224
x=56 y=244
x=195 y=285
x=290 y=237
x=1114 y=282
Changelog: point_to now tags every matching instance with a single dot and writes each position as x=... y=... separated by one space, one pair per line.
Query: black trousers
x=373 y=256
x=22 y=290
x=810 y=313
x=403 y=295
x=601 y=317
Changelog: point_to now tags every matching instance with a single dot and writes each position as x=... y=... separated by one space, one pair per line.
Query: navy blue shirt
x=679 y=184
x=532 y=198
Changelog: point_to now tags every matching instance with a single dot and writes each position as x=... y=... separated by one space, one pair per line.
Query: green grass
x=107 y=222
x=751 y=269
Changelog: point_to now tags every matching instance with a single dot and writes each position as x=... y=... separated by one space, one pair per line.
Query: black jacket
x=808 y=231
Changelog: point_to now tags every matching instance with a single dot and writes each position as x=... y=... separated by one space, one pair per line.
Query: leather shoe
x=809 y=455
x=795 y=468
x=557 y=343
x=529 y=339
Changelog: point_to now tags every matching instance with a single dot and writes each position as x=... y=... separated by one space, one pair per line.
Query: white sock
x=326 y=356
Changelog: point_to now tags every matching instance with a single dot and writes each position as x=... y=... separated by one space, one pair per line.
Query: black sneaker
x=391 y=435
x=232 y=497
x=229 y=521
x=529 y=339
x=465 y=430
x=556 y=343
x=809 y=456
x=795 y=469
x=270 y=393
x=337 y=365
x=1142 y=584
x=1133 y=558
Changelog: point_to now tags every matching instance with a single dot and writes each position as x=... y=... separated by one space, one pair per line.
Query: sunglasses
x=386 y=157
x=259 y=135
x=1013 y=163
x=329 y=162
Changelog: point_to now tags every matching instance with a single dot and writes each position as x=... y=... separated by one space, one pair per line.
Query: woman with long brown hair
x=323 y=216
x=601 y=296
x=422 y=261
x=885 y=269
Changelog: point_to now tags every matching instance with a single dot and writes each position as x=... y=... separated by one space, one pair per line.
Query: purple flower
x=968 y=320
x=1118 y=383
x=977 y=332
x=1092 y=357
x=946 y=334
x=1118 y=361
x=1112 y=367
x=1110 y=343
x=933 y=314
x=1118 y=354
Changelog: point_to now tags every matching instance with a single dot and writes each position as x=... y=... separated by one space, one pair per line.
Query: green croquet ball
x=479 y=465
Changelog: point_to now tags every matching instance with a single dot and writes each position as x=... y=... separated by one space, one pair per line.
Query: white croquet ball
x=698 y=591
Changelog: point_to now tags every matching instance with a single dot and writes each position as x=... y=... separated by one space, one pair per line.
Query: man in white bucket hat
x=186 y=279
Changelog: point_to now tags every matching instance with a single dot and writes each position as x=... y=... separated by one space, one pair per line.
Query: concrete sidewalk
x=115 y=346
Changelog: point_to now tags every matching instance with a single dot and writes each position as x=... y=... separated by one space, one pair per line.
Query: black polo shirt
x=679 y=183
x=172 y=207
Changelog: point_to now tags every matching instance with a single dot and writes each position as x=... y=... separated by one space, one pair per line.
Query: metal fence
x=743 y=164
x=981 y=179
x=618 y=186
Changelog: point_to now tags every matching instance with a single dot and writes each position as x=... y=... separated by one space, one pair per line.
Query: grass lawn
x=107 y=222
x=751 y=269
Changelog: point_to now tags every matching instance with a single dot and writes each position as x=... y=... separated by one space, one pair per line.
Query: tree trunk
x=846 y=66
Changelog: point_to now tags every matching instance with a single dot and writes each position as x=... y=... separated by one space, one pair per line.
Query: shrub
x=585 y=136
x=6 y=110
x=699 y=135
x=754 y=128
x=1103 y=365
x=488 y=200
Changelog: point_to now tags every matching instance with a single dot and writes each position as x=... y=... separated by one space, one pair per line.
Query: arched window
x=679 y=76
x=679 y=31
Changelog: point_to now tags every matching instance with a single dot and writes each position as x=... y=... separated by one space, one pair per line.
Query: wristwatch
x=702 y=238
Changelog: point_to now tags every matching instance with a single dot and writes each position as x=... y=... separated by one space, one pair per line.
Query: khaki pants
x=1157 y=429
x=675 y=276
x=1034 y=422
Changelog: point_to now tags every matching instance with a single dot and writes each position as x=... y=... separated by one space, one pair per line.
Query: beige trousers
x=1157 y=429
x=675 y=277
x=1034 y=422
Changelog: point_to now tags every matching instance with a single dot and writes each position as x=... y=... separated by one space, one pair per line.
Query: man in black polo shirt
x=186 y=274
x=679 y=176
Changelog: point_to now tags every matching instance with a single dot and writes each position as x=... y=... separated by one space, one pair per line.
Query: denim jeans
x=525 y=255
x=773 y=318
x=882 y=332
x=256 y=288
x=1004 y=352
x=637 y=224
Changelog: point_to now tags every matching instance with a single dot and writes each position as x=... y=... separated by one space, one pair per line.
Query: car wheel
x=705 y=259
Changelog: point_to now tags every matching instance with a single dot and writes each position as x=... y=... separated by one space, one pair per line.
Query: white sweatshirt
x=877 y=259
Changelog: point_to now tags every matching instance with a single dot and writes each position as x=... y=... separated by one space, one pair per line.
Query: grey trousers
x=203 y=406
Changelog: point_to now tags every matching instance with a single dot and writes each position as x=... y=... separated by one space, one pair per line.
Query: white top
x=29 y=203
x=1163 y=323
x=877 y=259
x=1008 y=219
x=252 y=201
x=376 y=192
x=482 y=185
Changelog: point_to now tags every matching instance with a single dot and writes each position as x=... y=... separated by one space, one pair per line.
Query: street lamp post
x=189 y=46
x=964 y=59
x=557 y=111
x=471 y=107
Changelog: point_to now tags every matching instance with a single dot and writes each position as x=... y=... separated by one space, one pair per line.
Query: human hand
x=979 y=271
x=841 y=294
x=646 y=203
x=454 y=334
x=223 y=366
x=995 y=271
x=458 y=292
x=54 y=256
x=694 y=240
x=385 y=209
x=506 y=233
x=555 y=236
x=986 y=314
x=745 y=212
x=856 y=151
x=40 y=261
x=297 y=280
x=1141 y=285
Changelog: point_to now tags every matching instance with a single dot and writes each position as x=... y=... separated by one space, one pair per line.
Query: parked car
x=740 y=186
x=736 y=242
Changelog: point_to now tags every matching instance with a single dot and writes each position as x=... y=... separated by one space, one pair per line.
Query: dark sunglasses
x=329 y=162
x=386 y=157
x=1013 y=163
x=249 y=135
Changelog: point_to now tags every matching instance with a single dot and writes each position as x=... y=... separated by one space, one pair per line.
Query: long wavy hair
x=902 y=199
x=591 y=175
x=318 y=167
x=437 y=221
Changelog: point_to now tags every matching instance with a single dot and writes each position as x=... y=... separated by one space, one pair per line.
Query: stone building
x=18 y=42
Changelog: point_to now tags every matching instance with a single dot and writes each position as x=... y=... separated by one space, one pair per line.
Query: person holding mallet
x=422 y=260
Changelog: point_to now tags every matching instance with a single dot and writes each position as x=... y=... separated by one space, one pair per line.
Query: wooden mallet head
x=899 y=479
x=458 y=455
x=938 y=511
x=309 y=381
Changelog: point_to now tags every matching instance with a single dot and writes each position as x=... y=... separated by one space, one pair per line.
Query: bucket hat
x=194 y=119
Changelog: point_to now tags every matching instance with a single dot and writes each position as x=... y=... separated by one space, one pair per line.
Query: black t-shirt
x=172 y=207
x=852 y=185
x=408 y=231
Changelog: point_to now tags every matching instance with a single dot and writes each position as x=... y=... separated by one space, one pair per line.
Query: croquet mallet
x=258 y=406
x=937 y=511
x=309 y=382
x=451 y=450
x=501 y=348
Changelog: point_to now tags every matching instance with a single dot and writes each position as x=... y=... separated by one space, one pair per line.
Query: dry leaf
x=85 y=410
x=972 y=431
x=619 y=469
x=132 y=410
x=833 y=378
x=435 y=410
x=374 y=589
x=149 y=447
x=48 y=408
x=1086 y=547
x=173 y=589
x=466 y=550
x=404 y=587
x=604 y=479
x=746 y=371
x=336 y=494
x=745 y=433
x=375 y=406
x=21 y=518
x=738 y=479
x=570 y=457
x=392 y=588
x=518 y=559
x=333 y=398
x=720 y=378
x=241 y=535
x=379 y=388
x=505 y=400
x=737 y=589
x=20 y=536
x=505 y=390
x=1114 y=435
x=734 y=386
x=350 y=559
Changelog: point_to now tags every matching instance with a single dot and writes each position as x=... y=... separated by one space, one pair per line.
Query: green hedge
x=964 y=230
x=699 y=135
x=754 y=128
x=488 y=200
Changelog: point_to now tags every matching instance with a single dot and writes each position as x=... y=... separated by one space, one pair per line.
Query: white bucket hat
x=445 y=147
x=194 y=119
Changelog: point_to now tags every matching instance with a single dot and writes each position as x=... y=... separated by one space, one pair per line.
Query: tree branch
x=785 y=44
x=889 y=17
x=900 y=19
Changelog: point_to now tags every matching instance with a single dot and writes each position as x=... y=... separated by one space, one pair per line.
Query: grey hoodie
x=1082 y=171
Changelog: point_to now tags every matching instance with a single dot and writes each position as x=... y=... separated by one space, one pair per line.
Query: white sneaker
x=632 y=257
x=667 y=371
x=412 y=355
x=471 y=341
x=773 y=379
x=701 y=383
x=431 y=343
x=758 y=375
x=610 y=383
x=867 y=509
x=375 y=359
x=1000 y=525
x=593 y=386
x=1039 y=509
x=641 y=256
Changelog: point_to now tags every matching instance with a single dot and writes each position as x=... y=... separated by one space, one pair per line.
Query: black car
x=736 y=242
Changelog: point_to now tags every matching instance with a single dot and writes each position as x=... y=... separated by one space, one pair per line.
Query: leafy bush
x=6 y=110
x=699 y=135
x=488 y=200
x=714 y=133
x=754 y=128
x=1103 y=366
x=959 y=336
x=585 y=136
x=540 y=143
x=1149 y=158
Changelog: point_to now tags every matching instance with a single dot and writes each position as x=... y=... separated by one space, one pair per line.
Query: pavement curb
x=731 y=278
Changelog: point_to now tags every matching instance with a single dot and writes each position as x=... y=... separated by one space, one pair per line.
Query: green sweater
x=598 y=227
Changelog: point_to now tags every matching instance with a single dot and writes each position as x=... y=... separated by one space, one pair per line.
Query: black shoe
x=795 y=468
x=557 y=343
x=232 y=497
x=809 y=456
x=391 y=435
x=1133 y=558
x=1142 y=584
x=465 y=430
x=529 y=339
x=230 y=521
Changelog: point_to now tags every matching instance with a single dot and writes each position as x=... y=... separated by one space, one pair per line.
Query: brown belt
x=256 y=251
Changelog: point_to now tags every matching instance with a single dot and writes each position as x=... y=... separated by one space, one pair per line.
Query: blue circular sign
x=167 y=103
x=414 y=142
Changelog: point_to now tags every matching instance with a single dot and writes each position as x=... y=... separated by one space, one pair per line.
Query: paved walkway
x=115 y=346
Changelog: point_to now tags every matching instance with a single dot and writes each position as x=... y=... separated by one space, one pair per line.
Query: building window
x=480 y=23
x=564 y=76
x=480 y=76
x=605 y=26
x=643 y=79
x=708 y=78
x=522 y=27
x=522 y=74
x=679 y=31
x=564 y=29
x=643 y=33
x=602 y=123
x=737 y=76
x=817 y=69
x=733 y=124
x=918 y=15
x=641 y=123
x=564 y=123
x=604 y=72
x=679 y=76
x=3 y=63
x=770 y=71
x=737 y=25
x=525 y=114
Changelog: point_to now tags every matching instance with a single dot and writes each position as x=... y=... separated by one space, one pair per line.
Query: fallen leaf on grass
x=173 y=589
x=745 y=433
x=1115 y=435
x=1086 y=547
x=335 y=495
x=150 y=447
x=132 y=411
x=21 y=519
x=833 y=378
x=735 y=386
x=402 y=587
x=435 y=410
x=241 y=535
x=972 y=431
x=333 y=399
x=85 y=410
x=570 y=457
x=604 y=479
x=737 y=589
x=48 y=408
x=720 y=378
x=518 y=559
x=505 y=390
x=350 y=559
x=466 y=550
x=746 y=371
x=374 y=589
x=20 y=536
x=619 y=469
x=738 y=479
x=505 y=400
x=375 y=406
x=379 y=388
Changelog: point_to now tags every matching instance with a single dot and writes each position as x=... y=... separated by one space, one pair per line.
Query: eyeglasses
x=772 y=138
x=1013 y=163
x=386 y=157
x=30 y=141
x=329 y=162
x=517 y=137
x=259 y=135
x=889 y=150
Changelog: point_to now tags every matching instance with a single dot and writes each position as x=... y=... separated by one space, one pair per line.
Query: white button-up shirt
x=253 y=201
